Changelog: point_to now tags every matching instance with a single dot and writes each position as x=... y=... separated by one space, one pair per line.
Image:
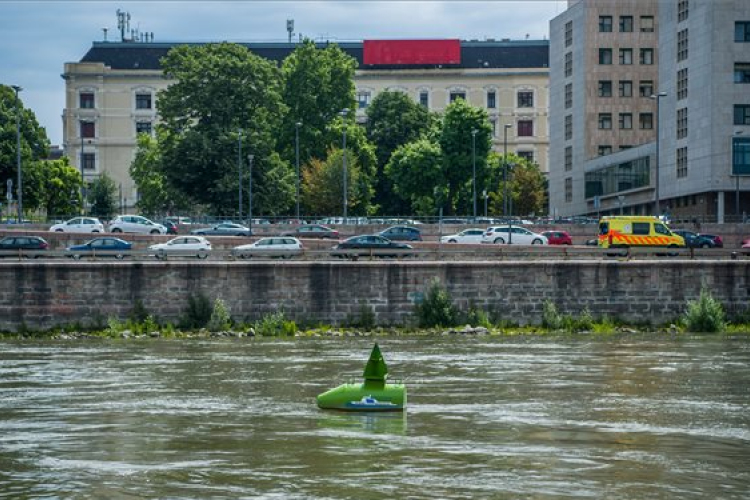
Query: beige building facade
x=111 y=97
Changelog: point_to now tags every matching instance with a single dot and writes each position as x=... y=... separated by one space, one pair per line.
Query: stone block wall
x=42 y=295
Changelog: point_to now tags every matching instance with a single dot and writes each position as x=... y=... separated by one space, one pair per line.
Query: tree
x=323 y=185
x=526 y=186
x=101 y=194
x=393 y=119
x=460 y=151
x=318 y=85
x=418 y=177
x=62 y=196
x=223 y=94
x=155 y=194
x=34 y=146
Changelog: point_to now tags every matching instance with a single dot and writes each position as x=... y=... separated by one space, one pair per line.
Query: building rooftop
x=474 y=54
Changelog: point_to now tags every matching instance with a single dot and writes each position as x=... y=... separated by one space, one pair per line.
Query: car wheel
x=202 y=255
x=119 y=256
x=452 y=240
x=499 y=241
x=705 y=245
x=76 y=257
x=537 y=241
x=58 y=230
x=154 y=231
x=95 y=231
x=117 y=230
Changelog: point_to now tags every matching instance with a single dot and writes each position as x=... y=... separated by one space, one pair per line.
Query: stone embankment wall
x=41 y=295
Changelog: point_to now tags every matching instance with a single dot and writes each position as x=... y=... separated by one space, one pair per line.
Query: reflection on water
x=487 y=418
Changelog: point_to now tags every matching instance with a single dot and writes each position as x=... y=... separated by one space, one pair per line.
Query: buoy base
x=358 y=397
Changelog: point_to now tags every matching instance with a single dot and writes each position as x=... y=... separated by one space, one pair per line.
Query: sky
x=37 y=37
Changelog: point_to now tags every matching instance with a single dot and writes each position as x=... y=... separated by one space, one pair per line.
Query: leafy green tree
x=34 y=146
x=393 y=119
x=222 y=94
x=62 y=193
x=101 y=194
x=418 y=177
x=156 y=195
x=318 y=85
x=460 y=150
x=323 y=185
x=526 y=186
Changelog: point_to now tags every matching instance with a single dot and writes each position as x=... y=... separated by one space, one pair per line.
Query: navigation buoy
x=372 y=395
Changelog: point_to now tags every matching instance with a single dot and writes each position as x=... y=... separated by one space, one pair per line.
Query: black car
x=313 y=231
x=402 y=233
x=12 y=246
x=370 y=244
x=695 y=240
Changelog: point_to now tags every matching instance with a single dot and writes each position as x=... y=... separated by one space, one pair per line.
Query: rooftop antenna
x=123 y=24
x=290 y=28
x=105 y=33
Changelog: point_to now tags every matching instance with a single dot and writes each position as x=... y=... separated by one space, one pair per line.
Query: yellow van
x=636 y=231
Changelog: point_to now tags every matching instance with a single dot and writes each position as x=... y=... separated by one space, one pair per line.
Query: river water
x=640 y=418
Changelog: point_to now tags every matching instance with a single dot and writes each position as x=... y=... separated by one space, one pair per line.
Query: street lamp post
x=505 y=178
x=343 y=125
x=296 y=153
x=657 y=97
x=83 y=181
x=19 y=186
x=474 y=170
x=239 y=170
x=484 y=195
x=250 y=194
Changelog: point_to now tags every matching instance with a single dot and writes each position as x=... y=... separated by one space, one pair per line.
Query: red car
x=718 y=242
x=558 y=237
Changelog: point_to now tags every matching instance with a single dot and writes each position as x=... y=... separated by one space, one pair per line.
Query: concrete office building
x=694 y=91
x=111 y=94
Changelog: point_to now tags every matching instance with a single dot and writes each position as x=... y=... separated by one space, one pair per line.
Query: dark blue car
x=105 y=246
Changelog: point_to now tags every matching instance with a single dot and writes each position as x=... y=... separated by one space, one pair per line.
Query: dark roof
x=474 y=54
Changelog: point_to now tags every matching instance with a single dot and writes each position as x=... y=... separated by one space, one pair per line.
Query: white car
x=135 y=224
x=284 y=247
x=79 y=225
x=183 y=246
x=515 y=235
x=472 y=235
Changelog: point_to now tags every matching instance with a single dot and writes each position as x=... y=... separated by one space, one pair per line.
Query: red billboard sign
x=412 y=52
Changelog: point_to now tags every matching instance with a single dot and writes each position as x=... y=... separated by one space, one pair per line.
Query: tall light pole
x=83 y=181
x=239 y=170
x=296 y=153
x=657 y=97
x=343 y=125
x=484 y=195
x=19 y=187
x=505 y=169
x=250 y=159
x=474 y=169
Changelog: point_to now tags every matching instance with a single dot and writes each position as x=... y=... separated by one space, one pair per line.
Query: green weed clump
x=275 y=325
x=551 y=317
x=198 y=312
x=221 y=318
x=705 y=315
x=477 y=317
x=365 y=320
x=437 y=309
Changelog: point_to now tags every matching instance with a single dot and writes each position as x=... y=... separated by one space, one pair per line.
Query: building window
x=682 y=45
x=626 y=88
x=568 y=127
x=742 y=114
x=424 y=98
x=143 y=128
x=89 y=161
x=525 y=128
x=363 y=98
x=143 y=101
x=740 y=155
x=526 y=155
x=88 y=130
x=457 y=94
x=646 y=121
x=626 y=56
x=742 y=72
x=682 y=83
x=604 y=150
x=568 y=64
x=605 y=56
x=626 y=121
x=626 y=24
x=568 y=158
x=682 y=165
x=646 y=88
x=491 y=99
x=647 y=56
x=86 y=100
x=605 y=121
x=569 y=33
x=742 y=31
x=493 y=122
x=605 y=24
x=682 y=123
x=647 y=24
x=525 y=99
x=605 y=88
x=569 y=190
x=568 y=96
x=682 y=10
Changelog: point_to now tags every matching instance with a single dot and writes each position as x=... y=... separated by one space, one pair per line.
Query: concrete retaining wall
x=46 y=294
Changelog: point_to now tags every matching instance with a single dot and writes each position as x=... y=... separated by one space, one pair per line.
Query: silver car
x=136 y=224
x=284 y=247
x=79 y=225
x=515 y=235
